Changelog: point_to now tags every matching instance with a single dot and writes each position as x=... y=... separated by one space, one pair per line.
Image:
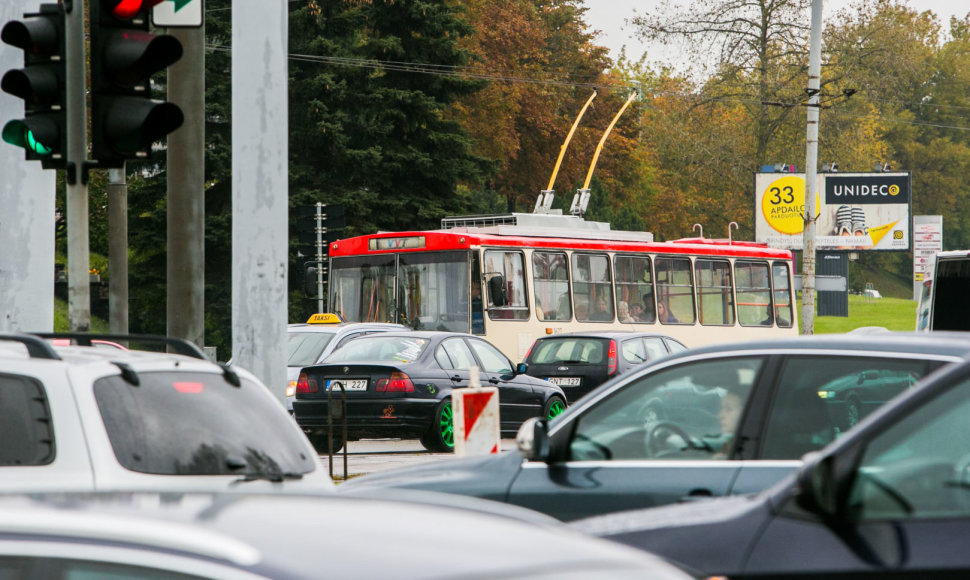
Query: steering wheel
x=657 y=439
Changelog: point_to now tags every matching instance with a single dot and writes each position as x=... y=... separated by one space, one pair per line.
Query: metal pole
x=78 y=245
x=185 y=304
x=260 y=190
x=118 y=251
x=811 y=161
x=320 y=257
x=27 y=222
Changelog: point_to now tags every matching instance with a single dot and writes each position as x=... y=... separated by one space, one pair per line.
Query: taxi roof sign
x=324 y=318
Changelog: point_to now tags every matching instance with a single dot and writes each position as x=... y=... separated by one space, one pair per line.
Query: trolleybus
x=516 y=277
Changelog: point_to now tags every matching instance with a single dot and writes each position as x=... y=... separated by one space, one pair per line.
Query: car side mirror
x=496 y=291
x=533 y=440
x=521 y=368
x=817 y=488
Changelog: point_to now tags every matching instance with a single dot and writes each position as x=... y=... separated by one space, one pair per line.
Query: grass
x=62 y=322
x=891 y=313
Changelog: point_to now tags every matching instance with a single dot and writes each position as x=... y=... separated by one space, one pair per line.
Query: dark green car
x=720 y=420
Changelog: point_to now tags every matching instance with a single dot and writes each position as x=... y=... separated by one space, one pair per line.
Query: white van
x=944 y=302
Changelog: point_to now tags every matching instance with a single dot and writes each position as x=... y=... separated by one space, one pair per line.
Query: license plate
x=565 y=381
x=349 y=384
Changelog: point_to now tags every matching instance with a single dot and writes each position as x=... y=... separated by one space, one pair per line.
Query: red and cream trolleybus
x=512 y=278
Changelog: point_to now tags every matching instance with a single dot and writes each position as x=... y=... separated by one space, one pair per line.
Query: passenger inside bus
x=647 y=314
x=664 y=313
x=602 y=311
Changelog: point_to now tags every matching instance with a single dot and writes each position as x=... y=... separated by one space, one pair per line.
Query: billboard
x=855 y=211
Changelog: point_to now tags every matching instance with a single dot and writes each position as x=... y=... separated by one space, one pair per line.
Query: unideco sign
x=856 y=211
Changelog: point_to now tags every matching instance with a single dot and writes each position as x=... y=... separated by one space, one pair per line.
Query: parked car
x=581 y=361
x=891 y=499
x=310 y=342
x=238 y=536
x=399 y=384
x=717 y=420
x=89 y=418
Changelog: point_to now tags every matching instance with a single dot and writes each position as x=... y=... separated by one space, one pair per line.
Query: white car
x=311 y=342
x=85 y=418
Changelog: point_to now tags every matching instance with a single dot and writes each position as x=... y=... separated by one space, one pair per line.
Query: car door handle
x=456 y=379
x=697 y=495
x=493 y=380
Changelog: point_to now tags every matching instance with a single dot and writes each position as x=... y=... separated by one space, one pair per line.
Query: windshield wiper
x=275 y=476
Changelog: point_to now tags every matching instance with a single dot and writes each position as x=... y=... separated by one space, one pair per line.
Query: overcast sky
x=608 y=17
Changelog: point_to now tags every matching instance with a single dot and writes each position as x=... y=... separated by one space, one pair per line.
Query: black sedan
x=581 y=361
x=399 y=384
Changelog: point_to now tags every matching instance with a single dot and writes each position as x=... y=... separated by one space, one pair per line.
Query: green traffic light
x=35 y=145
x=18 y=133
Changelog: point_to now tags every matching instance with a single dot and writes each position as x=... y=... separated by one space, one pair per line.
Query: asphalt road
x=370 y=455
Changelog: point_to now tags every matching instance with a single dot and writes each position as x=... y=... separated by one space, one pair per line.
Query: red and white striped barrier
x=476 y=419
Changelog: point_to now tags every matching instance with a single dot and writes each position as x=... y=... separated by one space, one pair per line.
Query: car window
x=188 y=423
x=571 y=350
x=89 y=569
x=689 y=411
x=820 y=397
x=350 y=336
x=454 y=354
x=675 y=346
x=920 y=466
x=492 y=359
x=26 y=436
x=305 y=347
x=654 y=346
x=634 y=351
x=380 y=348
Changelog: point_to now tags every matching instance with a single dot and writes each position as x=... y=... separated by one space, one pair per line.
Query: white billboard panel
x=855 y=211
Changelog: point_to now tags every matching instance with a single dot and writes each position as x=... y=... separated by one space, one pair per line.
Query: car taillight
x=397 y=383
x=611 y=359
x=306 y=385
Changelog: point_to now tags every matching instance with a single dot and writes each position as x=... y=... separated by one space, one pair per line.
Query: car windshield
x=305 y=347
x=380 y=349
x=572 y=350
x=190 y=423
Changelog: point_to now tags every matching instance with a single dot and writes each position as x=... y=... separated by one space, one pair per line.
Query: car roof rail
x=36 y=347
x=177 y=345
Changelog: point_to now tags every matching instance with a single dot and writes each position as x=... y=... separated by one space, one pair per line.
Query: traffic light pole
x=78 y=246
x=118 y=251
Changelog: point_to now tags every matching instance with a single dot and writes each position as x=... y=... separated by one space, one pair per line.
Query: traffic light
x=42 y=133
x=124 y=56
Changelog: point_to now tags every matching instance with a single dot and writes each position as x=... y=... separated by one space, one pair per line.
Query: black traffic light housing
x=126 y=121
x=42 y=133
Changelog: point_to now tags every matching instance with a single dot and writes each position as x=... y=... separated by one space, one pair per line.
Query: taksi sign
x=858 y=211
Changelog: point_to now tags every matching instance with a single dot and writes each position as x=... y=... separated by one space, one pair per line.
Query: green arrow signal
x=17 y=133
x=180 y=4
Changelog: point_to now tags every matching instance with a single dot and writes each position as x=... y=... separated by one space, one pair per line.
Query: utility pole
x=78 y=244
x=118 y=251
x=811 y=173
x=260 y=191
x=185 y=291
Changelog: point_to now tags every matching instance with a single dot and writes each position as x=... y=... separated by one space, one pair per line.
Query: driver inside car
x=716 y=445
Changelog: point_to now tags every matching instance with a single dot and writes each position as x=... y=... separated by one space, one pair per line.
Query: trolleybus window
x=432 y=291
x=550 y=273
x=592 y=287
x=782 y=294
x=362 y=288
x=714 y=302
x=505 y=280
x=754 y=293
x=634 y=285
x=675 y=291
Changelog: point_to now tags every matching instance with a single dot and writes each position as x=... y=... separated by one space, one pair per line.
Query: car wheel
x=853 y=411
x=320 y=441
x=440 y=435
x=554 y=407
